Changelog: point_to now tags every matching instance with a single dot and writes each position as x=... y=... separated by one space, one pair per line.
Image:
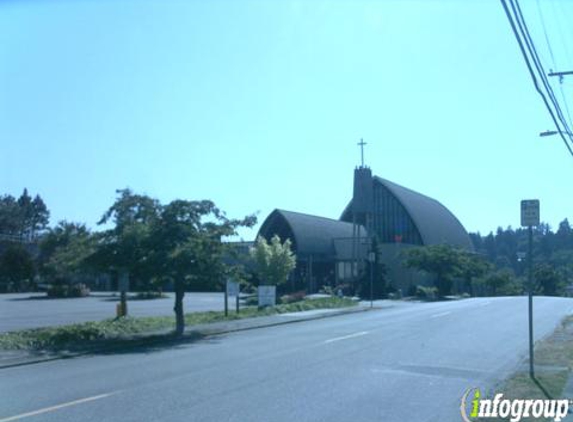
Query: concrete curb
x=204 y=330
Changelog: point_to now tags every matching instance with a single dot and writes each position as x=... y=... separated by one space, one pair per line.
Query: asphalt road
x=33 y=310
x=410 y=363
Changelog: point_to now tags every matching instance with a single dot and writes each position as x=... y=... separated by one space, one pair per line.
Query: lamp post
x=554 y=132
x=372 y=259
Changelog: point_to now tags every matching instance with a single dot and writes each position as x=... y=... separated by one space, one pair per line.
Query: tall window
x=392 y=222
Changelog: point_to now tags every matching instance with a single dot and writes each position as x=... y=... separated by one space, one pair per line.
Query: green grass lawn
x=553 y=364
x=95 y=334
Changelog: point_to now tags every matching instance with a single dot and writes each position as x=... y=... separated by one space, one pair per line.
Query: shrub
x=327 y=290
x=149 y=295
x=67 y=290
x=292 y=298
x=426 y=293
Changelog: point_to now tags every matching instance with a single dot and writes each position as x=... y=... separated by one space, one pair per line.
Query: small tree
x=472 y=267
x=274 y=261
x=548 y=279
x=502 y=283
x=443 y=261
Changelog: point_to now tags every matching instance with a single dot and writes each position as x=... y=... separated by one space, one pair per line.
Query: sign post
x=226 y=298
x=232 y=288
x=372 y=260
x=530 y=218
x=267 y=295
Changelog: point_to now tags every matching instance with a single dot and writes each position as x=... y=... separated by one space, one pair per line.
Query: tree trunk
x=179 y=315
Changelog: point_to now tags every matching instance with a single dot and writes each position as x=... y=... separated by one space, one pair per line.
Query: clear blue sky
x=259 y=104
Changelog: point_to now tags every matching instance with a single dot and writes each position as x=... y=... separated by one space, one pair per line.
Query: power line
x=559 y=16
x=545 y=33
x=555 y=66
x=531 y=71
x=542 y=20
x=539 y=66
x=535 y=59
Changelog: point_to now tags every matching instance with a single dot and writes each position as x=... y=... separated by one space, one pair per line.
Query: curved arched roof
x=435 y=223
x=310 y=234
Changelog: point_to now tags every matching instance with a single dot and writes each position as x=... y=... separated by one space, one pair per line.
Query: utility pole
x=372 y=260
x=530 y=282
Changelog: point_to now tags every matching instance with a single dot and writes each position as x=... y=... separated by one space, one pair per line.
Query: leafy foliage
x=549 y=281
x=64 y=251
x=498 y=283
x=124 y=331
x=552 y=255
x=181 y=242
x=443 y=261
x=16 y=267
x=60 y=290
x=274 y=260
x=24 y=217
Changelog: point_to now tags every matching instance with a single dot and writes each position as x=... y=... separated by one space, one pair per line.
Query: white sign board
x=530 y=212
x=123 y=282
x=267 y=295
x=232 y=288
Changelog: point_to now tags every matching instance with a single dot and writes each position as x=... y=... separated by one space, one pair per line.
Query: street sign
x=530 y=218
x=232 y=288
x=267 y=295
x=530 y=212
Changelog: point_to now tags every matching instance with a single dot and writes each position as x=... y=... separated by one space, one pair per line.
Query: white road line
x=361 y=333
x=433 y=316
x=57 y=407
x=485 y=303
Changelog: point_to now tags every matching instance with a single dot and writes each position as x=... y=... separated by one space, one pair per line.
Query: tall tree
x=180 y=241
x=188 y=246
x=64 y=251
x=26 y=213
x=40 y=217
x=126 y=246
x=9 y=216
x=16 y=266
x=24 y=217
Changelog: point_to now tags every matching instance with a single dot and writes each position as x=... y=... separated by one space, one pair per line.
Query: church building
x=381 y=220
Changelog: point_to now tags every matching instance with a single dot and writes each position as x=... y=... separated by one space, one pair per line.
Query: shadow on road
x=43 y=297
x=542 y=388
x=149 y=344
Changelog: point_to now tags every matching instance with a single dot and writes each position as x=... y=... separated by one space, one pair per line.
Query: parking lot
x=33 y=310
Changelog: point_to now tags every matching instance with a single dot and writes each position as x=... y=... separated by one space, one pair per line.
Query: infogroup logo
x=475 y=406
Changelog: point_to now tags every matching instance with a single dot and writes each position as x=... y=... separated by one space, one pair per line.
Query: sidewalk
x=12 y=358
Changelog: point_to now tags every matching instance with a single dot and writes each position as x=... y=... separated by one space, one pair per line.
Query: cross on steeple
x=361 y=144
